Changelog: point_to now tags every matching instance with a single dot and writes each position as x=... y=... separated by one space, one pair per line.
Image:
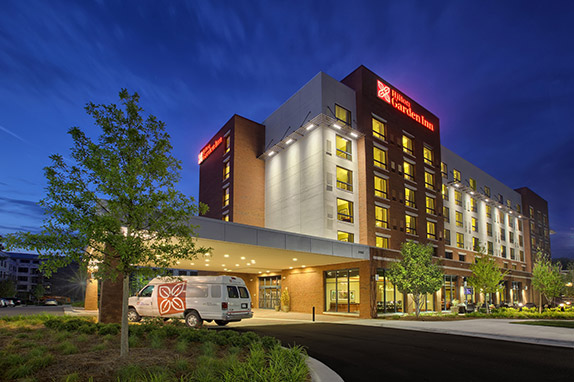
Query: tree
x=38 y=292
x=546 y=278
x=416 y=273
x=114 y=202
x=486 y=275
x=7 y=288
x=569 y=280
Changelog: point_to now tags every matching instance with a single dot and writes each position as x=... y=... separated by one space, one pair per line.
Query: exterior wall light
x=336 y=126
x=310 y=127
x=289 y=141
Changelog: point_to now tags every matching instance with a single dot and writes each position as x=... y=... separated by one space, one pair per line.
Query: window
x=487 y=191
x=444 y=192
x=503 y=251
x=344 y=148
x=531 y=211
x=427 y=155
x=225 y=217
x=344 y=179
x=430 y=206
x=520 y=240
x=446 y=214
x=431 y=230
x=500 y=198
x=490 y=248
x=344 y=210
x=458 y=219
x=473 y=205
x=343 y=114
x=502 y=234
x=379 y=157
x=458 y=198
x=447 y=237
x=511 y=237
x=381 y=187
x=472 y=183
x=443 y=170
x=512 y=254
x=475 y=244
x=474 y=224
x=456 y=175
x=429 y=180
x=519 y=209
x=411 y=224
x=232 y=292
x=381 y=217
x=459 y=240
x=410 y=198
x=408 y=145
x=510 y=221
x=382 y=242
x=409 y=171
x=489 y=229
x=461 y=257
x=508 y=203
x=522 y=256
x=226 y=170
x=520 y=225
x=227 y=144
x=225 y=196
x=345 y=236
x=488 y=211
x=379 y=129
x=147 y=291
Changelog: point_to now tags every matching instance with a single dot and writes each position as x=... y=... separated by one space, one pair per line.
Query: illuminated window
x=519 y=208
x=500 y=217
x=474 y=224
x=521 y=255
x=225 y=196
x=431 y=230
x=344 y=210
x=446 y=237
x=408 y=145
x=343 y=114
x=379 y=129
x=475 y=244
x=225 y=217
x=409 y=170
x=533 y=241
x=459 y=240
x=446 y=214
x=487 y=191
x=473 y=205
x=545 y=219
x=458 y=198
x=427 y=155
x=429 y=180
x=472 y=183
x=380 y=157
x=410 y=198
x=345 y=236
x=531 y=211
x=227 y=144
x=444 y=192
x=226 y=170
x=381 y=217
x=503 y=251
x=458 y=218
x=430 y=206
x=443 y=170
x=489 y=229
x=488 y=211
x=382 y=242
x=344 y=148
x=532 y=226
x=456 y=175
x=508 y=203
x=344 y=179
x=411 y=224
x=490 y=248
x=381 y=187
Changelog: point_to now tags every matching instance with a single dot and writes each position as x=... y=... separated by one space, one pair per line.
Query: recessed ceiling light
x=242 y=257
x=207 y=260
x=303 y=266
x=260 y=272
x=267 y=271
x=336 y=126
x=226 y=255
x=289 y=141
x=222 y=265
x=294 y=259
x=192 y=263
x=207 y=265
x=248 y=264
x=290 y=267
x=252 y=261
x=310 y=127
x=236 y=265
x=271 y=153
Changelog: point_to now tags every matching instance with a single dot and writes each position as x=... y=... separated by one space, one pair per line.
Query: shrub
x=105 y=329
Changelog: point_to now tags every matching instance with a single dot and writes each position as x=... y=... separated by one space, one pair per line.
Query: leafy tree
x=569 y=280
x=38 y=292
x=114 y=202
x=416 y=273
x=7 y=288
x=486 y=275
x=547 y=279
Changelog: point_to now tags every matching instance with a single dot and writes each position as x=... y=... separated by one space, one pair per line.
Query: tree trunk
x=486 y=303
x=417 y=298
x=124 y=344
x=540 y=302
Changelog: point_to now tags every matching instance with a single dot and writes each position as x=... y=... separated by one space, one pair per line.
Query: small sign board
x=467 y=290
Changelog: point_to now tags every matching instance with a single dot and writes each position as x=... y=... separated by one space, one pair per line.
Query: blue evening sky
x=498 y=74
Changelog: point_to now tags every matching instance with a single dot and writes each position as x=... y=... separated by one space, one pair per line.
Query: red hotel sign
x=399 y=102
x=207 y=150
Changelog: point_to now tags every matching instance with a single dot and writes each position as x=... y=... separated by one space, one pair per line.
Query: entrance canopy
x=247 y=249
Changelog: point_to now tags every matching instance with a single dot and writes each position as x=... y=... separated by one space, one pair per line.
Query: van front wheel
x=193 y=320
x=133 y=315
x=221 y=323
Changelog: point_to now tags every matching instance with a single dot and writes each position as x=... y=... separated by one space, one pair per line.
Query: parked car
x=15 y=300
x=3 y=303
x=8 y=302
x=51 y=302
x=223 y=299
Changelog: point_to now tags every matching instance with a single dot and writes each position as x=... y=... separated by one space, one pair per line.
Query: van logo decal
x=171 y=298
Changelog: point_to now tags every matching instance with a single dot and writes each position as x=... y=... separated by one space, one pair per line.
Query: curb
x=320 y=372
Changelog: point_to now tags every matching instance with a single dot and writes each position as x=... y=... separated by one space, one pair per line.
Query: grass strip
x=554 y=323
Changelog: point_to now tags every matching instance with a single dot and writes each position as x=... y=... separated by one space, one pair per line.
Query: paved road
x=364 y=353
x=32 y=309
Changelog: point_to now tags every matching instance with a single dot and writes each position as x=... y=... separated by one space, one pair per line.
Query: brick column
x=91 y=297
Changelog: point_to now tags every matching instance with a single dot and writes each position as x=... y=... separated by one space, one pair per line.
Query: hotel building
x=319 y=197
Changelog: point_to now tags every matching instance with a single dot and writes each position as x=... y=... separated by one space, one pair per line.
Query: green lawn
x=556 y=323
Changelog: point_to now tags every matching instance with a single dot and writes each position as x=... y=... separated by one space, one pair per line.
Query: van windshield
x=147 y=291
x=232 y=292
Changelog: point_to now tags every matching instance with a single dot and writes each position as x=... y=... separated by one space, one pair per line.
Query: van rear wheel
x=221 y=323
x=193 y=320
x=133 y=315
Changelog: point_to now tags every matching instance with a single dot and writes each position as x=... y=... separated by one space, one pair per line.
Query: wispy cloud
x=13 y=134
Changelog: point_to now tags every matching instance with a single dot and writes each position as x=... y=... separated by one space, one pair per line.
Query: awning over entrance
x=248 y=249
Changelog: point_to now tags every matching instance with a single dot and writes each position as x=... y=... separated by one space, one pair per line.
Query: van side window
x=147 y=291
x=197 y=291
x=232 y=292
x=243 y=292
x=216 y=291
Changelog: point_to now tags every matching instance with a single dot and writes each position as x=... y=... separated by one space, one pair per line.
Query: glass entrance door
x=269 y=291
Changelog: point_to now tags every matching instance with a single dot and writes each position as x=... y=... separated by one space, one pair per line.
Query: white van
x=223 y=299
